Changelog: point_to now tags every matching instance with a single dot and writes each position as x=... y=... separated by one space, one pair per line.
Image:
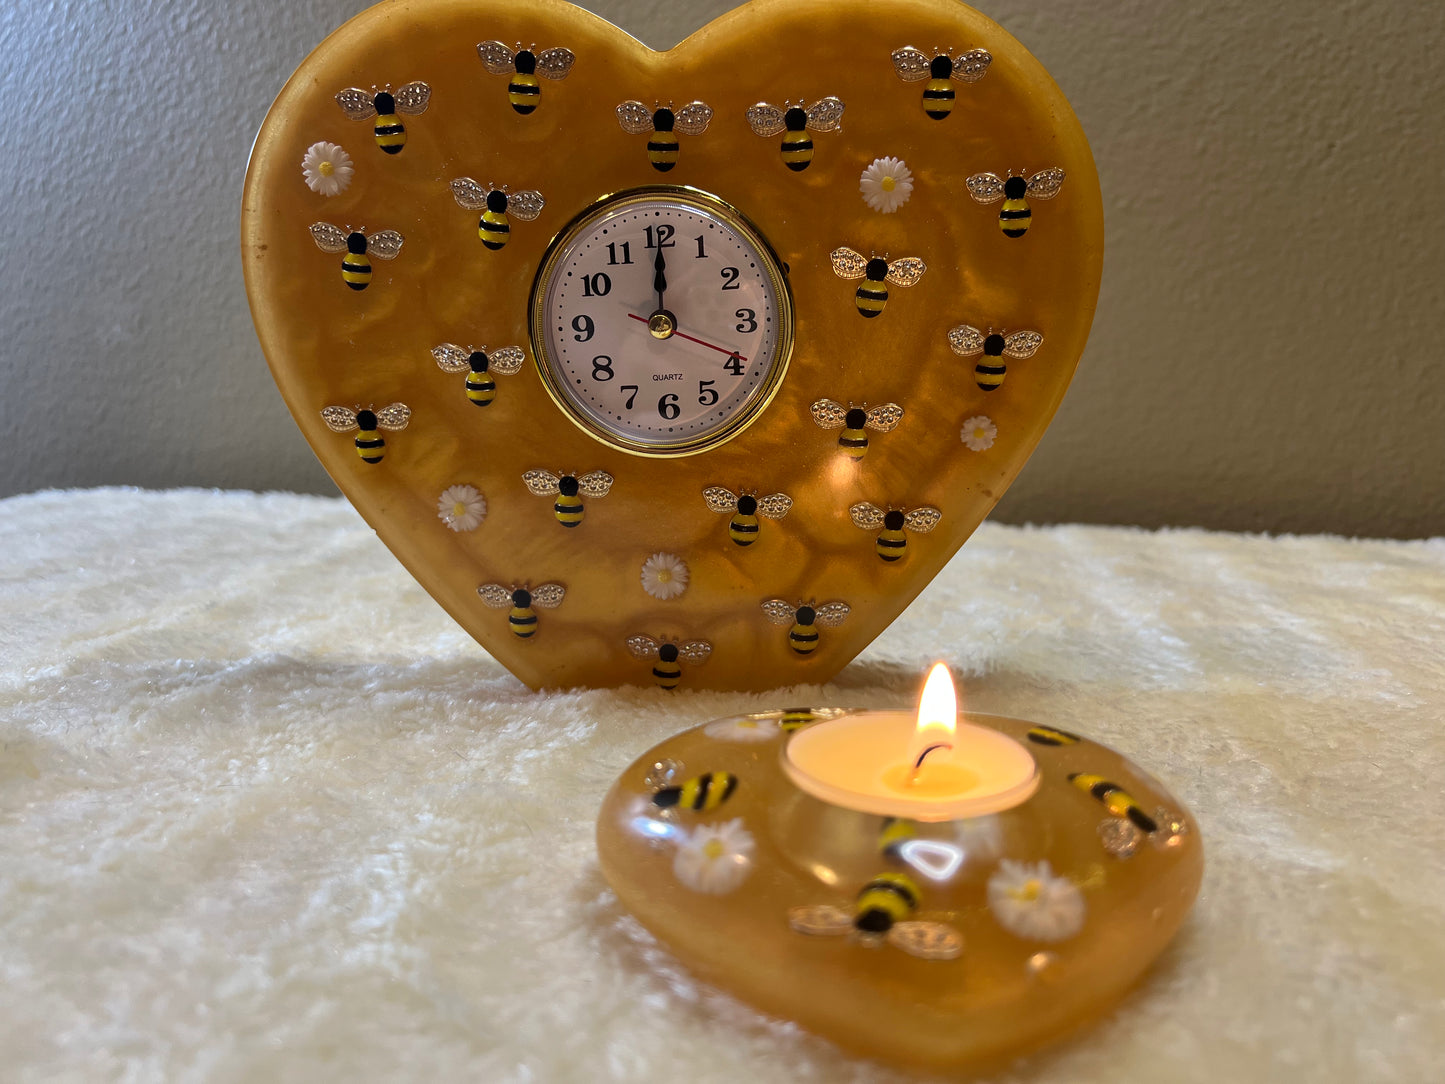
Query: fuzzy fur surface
x=266 y=813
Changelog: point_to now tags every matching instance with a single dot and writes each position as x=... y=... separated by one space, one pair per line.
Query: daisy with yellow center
x=1030 y=902
x=461 y=508
x=886 y=184
x=746 y=728
x=714 y=858
x=326 y=169
x=978 y=433
x=664 y=576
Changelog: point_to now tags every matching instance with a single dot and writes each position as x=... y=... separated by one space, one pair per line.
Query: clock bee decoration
x=569 y=489
x=662 y=124
x=795 y=122
x=359 y=247
x=891 y=543
x=855 y=421
x=745 y=509
x=805 y=620
x=523 y=603
x=524 y=66
x=989 y=373
x=479 y=365
x=367 y=424
x=913 y=65
x=1015 y=191
x=872 y=296
x=495 y=204
x=669 y=656
x=390 y=133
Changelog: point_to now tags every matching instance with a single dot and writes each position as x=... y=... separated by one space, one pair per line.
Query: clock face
x=661 y=321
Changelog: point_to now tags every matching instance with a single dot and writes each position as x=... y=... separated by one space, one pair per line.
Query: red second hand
x=700 y=342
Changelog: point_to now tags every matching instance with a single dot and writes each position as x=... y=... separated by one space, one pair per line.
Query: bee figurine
x=1114 y=798
x=524 y=603
x=873 y=294
x=568 y=489
x=1015 y=216
x=797 y=718
x=968 y=342
x=359 y=247
x=359 y=104
x=853 y=420
x=524 y=92
x=913 y=64
x=795 y=122
x=495 y=204
x=895 y=833
x=479 y=367
x=370 y=444
x=701 y=794
x=883 y=912
x=1050 y=735
x=637 y=119
x=805 y=618
x=892 y=544
x=743 y=528
x=666 y=670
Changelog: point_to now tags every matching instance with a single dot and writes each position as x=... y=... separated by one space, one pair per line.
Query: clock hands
x=659 y=280
x=650 y=321
x=662 y=324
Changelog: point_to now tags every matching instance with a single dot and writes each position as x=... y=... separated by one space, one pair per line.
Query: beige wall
x=1268 y=348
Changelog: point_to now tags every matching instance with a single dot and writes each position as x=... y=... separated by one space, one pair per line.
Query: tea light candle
x=933 y=766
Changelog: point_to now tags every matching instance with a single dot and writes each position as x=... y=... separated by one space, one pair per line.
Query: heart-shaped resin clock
x=689 y=367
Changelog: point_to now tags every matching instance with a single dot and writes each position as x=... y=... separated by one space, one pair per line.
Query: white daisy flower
x=714 y=858
x=461 y=508
x=979 y=433
x=664 y=575
x=745 y=728
x=886 y=184
x=327 y=168
x=1030 y=902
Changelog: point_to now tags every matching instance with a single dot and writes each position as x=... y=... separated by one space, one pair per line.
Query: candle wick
x=918 y=764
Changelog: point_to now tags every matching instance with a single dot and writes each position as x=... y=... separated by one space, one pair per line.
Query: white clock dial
x=661 y=321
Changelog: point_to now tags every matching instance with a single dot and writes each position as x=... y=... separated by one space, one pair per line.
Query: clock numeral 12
x=662 y=237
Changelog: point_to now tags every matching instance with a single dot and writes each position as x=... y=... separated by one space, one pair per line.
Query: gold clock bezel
x=547 y=365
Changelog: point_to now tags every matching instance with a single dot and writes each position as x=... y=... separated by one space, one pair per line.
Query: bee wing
x=907 y=271
x=495 y=595
x=826 y=114
x=970 y=67
x=356 y=103
x=821 y=920
x=965 y=341
x=831 y=613
x=1022 y=344
x=595 y=484
x=328 y=238
x=848 y=264
x=507 y=361
x=543 y=483
x=719 y=499
x=765 y=119
x=911 y=64
x=384 y=244
x=828 y=414
x=693 y=118
x=496 y=57
x=865 y=515
x=775 y=505
x=1046 y=183
x=926 y=940
x=394 y=416
x=413 y=98
x=525 y=205
x=885 y=418
x=922 y=520
x=642 y=647
x=780 y=612
x=695 y=650
x=548 y=596
x=469 y=194
x=555 y=63
x=451 y=358
x=634 y=117
x=339 y=419
x=985 y=187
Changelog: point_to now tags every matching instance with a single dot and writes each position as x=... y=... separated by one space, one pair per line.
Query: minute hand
x=694 y=339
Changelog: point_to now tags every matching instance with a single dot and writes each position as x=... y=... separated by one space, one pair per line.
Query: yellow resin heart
x=430 y=282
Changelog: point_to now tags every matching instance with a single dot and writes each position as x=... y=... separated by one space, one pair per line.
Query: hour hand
x=659 y=279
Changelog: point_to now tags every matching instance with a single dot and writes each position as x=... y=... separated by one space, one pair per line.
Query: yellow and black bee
x=1050 y=735
x=968 y=342
x=496 y=204
x=797 y=718
x=896 y=831
x=524 y=603
x=370 y=444
x=667 y=670
x=701 y=794
x=853 y=420
x=1015 y=192
x=479 y=367
x=637 y=119
x=569 y=489
x=524 y=92
x=384 y=105
x=883 y=911
x=743 y=528
x=892 y=543
x=824 y=115
x=1116 y=800
x=359 y=247
x=805 y=619
x=913 y=64
x=872 y=296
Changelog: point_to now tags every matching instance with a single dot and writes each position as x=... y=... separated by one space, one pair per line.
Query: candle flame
x=937 y=708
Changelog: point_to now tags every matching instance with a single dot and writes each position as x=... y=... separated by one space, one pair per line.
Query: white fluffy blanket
x=267 y=814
